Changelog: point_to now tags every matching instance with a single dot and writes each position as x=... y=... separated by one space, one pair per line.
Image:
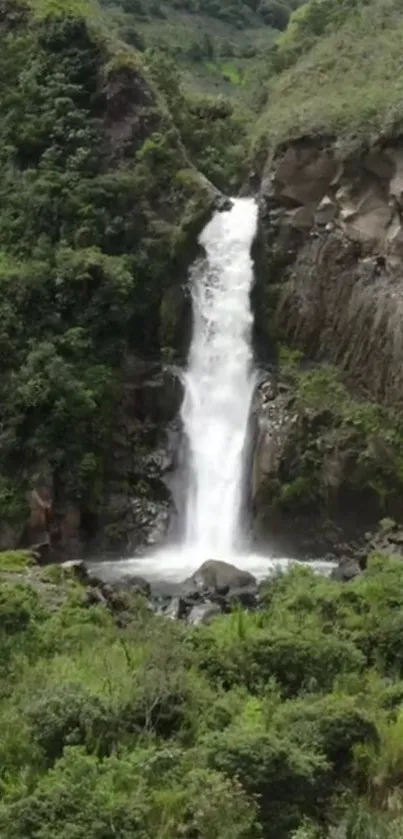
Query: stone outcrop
x=129 y=110
x=330 y=259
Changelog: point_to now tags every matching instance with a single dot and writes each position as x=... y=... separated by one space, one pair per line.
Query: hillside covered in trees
x=100 y=203
x=215 y=43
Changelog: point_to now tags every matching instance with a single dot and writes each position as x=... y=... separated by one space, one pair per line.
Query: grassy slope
x=349 y=83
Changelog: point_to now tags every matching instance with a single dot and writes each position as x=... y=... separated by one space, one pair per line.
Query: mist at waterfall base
x=219 y=383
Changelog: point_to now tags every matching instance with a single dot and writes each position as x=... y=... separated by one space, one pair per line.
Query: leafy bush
x=20 y=608
x=336 y=724
x=83 y=796
x=71 y=715
x=289 y=782
x=296 y=660
x=333 y=422
x=14 y=561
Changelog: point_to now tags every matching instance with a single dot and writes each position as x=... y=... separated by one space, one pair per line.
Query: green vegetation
x=97 y=218
x=340 y=445
x=211 y=128
x=335 y=71
x=280 y=724
x=215 y=43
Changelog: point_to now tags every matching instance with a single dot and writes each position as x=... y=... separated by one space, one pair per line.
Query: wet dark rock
x=222 y=590
x=246 y=597
x=223 y=204
x=192 y=595
x=42 y=553
x=222 y=602
x=194 y=603
x=79 y=570
x=203 y=613
x=214 y=574
x=136 y=585
x=387 y=540
x=95 y=597
x=347 y=569
x=177 y=609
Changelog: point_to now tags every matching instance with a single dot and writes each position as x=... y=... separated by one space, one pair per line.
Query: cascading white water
x=219 y=384
x=219 y=381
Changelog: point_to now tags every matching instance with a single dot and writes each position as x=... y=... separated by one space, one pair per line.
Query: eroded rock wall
x=331 y=259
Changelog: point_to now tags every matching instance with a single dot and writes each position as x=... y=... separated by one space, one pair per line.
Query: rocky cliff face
x=330 y=284
x=332 y=236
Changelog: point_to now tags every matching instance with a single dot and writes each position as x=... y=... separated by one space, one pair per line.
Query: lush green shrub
x=334 y=724
x=15 y=561
x=297 y=661
x=69 y=714
x=289 y=781
x=85 y=797
x=20 y=608
x=87 y=229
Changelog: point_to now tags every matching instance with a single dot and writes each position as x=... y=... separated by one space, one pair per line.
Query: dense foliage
x=98 y=200
x=343 y=451
x=232 y=11
x=280 y=724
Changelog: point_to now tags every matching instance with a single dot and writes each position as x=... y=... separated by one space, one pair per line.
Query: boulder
x=77 y=569
x=303 y=174
x=347 y=569
x=136 y=585
x=301 y=218
x=203 y=613
x=176 y=609
x=246 y=597
x=215 y=573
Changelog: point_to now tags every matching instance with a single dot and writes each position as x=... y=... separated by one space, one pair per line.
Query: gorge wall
x=330 y=285
x=334 y=247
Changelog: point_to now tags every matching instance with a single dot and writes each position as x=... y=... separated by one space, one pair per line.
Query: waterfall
x=219 y=381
